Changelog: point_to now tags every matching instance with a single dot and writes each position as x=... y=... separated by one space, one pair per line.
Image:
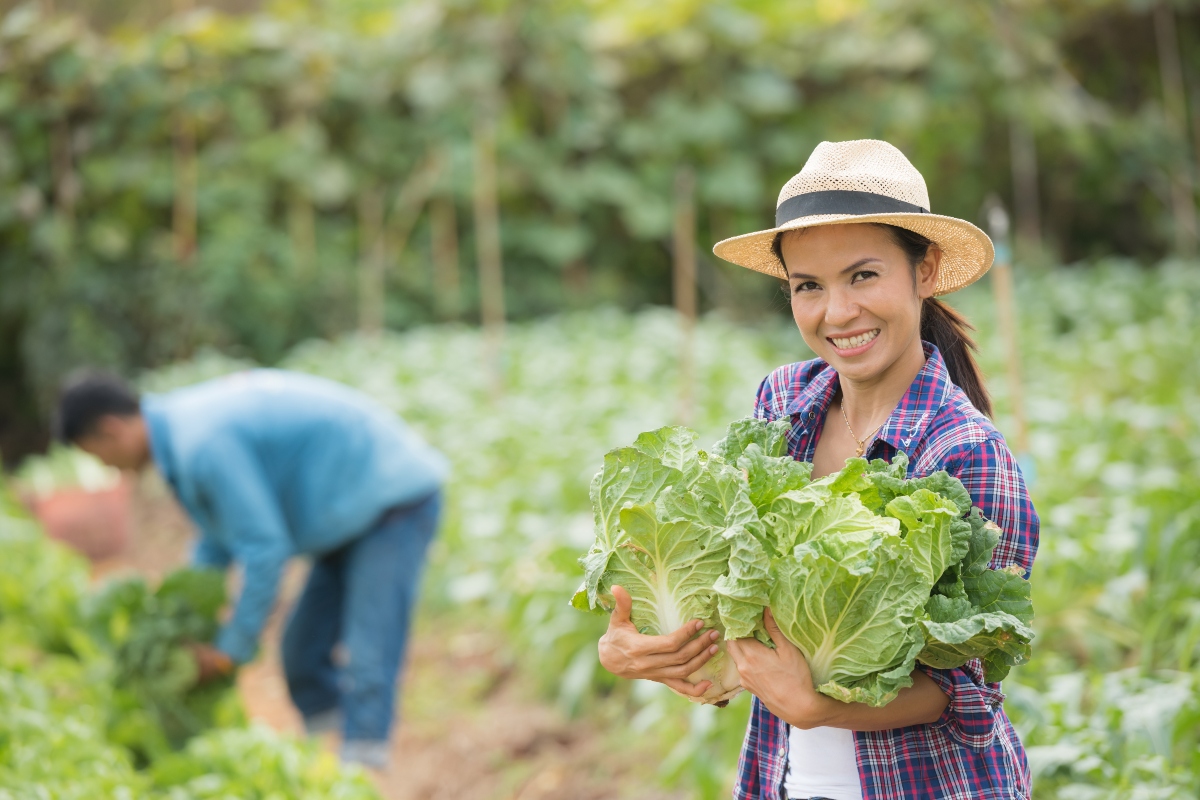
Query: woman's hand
x=667 y=659
x=780 y=678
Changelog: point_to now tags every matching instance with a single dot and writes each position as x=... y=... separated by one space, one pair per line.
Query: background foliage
x=173 y=181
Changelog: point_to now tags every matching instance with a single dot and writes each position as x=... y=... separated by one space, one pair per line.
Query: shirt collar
x=907 y=423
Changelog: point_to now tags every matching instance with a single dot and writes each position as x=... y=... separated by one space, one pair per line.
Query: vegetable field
x=97 y=694
x=1109 y=704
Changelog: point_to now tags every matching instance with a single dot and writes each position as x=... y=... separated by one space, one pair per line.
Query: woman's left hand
x=780 y=678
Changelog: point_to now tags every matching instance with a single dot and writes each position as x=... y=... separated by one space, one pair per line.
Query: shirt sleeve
x=762 y=401
x=993 y=479
x=246 y=512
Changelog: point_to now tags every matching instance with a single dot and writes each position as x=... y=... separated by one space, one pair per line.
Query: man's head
x=100 y=414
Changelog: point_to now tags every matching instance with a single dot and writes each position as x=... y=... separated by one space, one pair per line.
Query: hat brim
x=967 y=252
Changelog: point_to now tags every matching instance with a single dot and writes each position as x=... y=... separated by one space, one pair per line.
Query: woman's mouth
x=855 y=344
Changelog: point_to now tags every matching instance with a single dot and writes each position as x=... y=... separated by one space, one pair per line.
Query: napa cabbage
x=867 y=571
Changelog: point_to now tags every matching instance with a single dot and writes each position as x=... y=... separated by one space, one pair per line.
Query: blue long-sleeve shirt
x=271 y=464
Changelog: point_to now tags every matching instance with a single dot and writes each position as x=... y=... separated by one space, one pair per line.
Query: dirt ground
x=470 y=725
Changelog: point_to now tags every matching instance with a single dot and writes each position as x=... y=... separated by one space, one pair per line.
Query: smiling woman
x=864 y=260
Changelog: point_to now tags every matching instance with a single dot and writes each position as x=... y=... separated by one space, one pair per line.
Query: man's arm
x=246 y=512
x=208 y=554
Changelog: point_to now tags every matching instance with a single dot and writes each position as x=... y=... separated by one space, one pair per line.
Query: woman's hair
x=941 y=325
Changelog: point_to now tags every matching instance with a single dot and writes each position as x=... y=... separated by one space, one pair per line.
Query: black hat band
x=836 y=201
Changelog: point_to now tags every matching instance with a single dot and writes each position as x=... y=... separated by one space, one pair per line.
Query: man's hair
x=86 y=397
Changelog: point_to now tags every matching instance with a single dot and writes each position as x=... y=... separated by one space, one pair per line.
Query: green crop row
x=97 y=697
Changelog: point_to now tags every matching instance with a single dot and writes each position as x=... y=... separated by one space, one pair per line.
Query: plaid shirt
x=972 y=752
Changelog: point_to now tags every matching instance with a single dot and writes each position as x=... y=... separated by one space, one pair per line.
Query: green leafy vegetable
x=866 y=570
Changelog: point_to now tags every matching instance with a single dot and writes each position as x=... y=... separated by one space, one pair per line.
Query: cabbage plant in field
x=866 y=570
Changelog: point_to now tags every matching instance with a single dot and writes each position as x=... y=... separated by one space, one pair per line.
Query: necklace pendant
x=861 y=449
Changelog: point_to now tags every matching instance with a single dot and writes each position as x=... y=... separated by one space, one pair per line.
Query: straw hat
x=864 y=181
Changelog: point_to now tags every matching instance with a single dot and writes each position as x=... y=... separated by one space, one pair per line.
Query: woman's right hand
x=667 y=659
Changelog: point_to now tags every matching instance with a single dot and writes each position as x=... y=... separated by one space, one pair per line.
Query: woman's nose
x=840 y=308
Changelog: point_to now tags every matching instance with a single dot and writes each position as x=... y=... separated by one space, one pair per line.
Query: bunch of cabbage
x=669 y=518
x=866 y=571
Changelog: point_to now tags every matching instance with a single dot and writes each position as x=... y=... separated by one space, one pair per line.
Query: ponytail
x=945 y=328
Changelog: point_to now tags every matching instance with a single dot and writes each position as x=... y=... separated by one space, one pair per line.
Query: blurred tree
x=248 y=175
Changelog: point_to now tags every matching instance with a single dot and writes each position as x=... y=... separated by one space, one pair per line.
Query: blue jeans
x=362 y=596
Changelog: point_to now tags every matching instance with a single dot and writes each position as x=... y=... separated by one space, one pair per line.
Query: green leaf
x=814 y=511
x=743 y=593
x=630 y=476
x=771 y=438
x=1002 y=640
x=770 y=476
x=853 y=618
x=668 y=568
x=929 y=530
x=203 y=590
x=718 y=497
x=672 y=446
x=1000 y=590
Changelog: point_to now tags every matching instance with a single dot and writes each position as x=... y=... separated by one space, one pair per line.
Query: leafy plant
x=867 y=572
x=158 y=702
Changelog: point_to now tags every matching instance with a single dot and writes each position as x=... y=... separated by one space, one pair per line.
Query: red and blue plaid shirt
x=972 y=752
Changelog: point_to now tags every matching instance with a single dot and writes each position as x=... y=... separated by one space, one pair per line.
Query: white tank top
x=821 y=763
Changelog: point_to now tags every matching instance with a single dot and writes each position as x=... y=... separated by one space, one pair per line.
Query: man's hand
x=667 y=659
x=780 y=678
x=211 y=663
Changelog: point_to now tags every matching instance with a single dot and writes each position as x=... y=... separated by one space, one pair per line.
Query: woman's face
x=853 y=296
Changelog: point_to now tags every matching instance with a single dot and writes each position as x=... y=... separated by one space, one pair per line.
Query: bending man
x=269 y=465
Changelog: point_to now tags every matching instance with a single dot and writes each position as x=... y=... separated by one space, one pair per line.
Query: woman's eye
x=863 y=274
x=806 y=286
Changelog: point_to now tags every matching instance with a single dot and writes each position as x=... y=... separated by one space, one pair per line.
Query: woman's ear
x=927 y=271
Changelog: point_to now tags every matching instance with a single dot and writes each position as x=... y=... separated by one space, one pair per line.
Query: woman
x=864 y=260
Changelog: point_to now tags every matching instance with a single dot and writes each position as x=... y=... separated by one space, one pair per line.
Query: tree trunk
x=487 y=249
x=443 y=235
x=1183 y=203
x=371 y=259
x=684 y=274
x=66 y=186
x=184 y=214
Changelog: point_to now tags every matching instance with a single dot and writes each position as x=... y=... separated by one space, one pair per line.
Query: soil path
x=471 y=725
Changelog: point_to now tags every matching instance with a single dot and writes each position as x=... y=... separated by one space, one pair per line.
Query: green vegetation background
x=288 y=133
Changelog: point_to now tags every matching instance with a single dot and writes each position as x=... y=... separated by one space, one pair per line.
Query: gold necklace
x=860 y=444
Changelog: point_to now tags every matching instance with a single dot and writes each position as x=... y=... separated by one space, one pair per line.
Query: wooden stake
x=371 y=257
x=1002 y=285
x=684 y=273
x=487 y=249
x=1183 y=204
x=443 y=234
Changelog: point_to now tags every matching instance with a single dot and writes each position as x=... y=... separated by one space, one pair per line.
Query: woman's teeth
x=854 y=341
